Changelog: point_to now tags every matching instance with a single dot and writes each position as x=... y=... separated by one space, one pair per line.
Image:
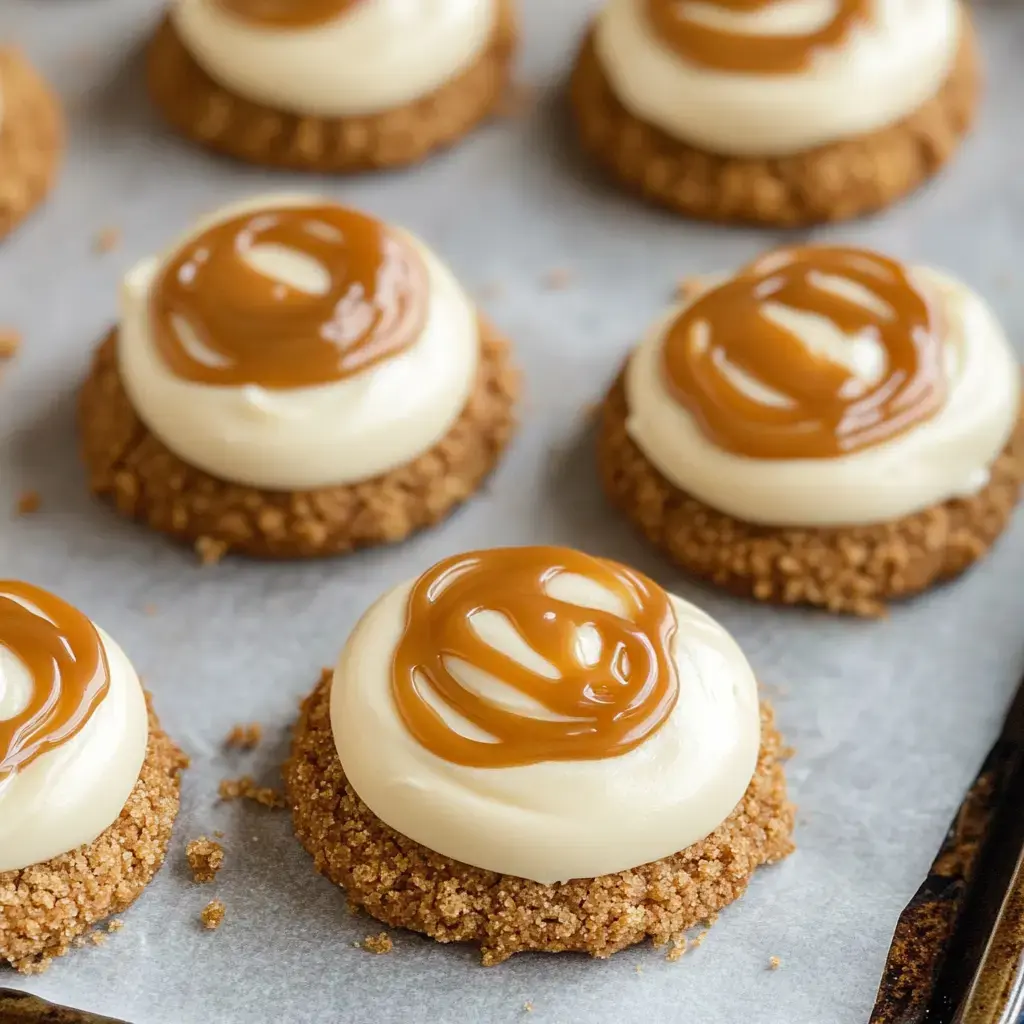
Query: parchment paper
x=890 y=719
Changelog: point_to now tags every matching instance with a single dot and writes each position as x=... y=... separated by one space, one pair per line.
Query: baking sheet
x=890 y=719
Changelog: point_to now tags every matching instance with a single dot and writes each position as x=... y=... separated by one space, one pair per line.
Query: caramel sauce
x=255 y=329
x=828 y=409
x=719 y=49
x=64 y=656
x=609 y=707
x=287 y=13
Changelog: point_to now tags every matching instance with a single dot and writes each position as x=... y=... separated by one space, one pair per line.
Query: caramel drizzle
x=609 y=708
x=258 y=330
x=719 y=49
x=829 y=410
x=64 y=655
x=287 y=13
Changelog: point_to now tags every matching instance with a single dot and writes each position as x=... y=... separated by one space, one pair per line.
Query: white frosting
x=944 y=457
x=883 y=72
x=310 y=437
x=71 y=794
x=557 y=820
x=378 y=55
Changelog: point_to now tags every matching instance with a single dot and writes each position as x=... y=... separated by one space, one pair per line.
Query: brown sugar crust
x=853 y=569
x=207 y=113
x=44 y=907
x=31 y=139
x=405 y=885
x=834 y=182
x=131 y=468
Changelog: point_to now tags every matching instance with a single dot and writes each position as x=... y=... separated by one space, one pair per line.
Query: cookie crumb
x=212 y=915
x=677 y=950
x=558 y=279
x=218 y=834
x=97 y=938
x=115 y=926
x=528 y=1006
x=29 y=502
x=245 y=788
x=379 y=944
x=10 y=342
x=106 y=240
x=78 y=942
x=33 y=966
x=638 y=969
x=518 y=100
x=774 y=963
x=244 y=737
x=699 y=941
x=205 y=858
x=209 y=550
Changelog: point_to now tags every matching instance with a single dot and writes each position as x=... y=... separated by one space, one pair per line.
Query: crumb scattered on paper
x=638 y=969
x=115 y=926
x=205 y=858
x=212 y=915
x=10 y=342
x=29 y=502
x=34 y=966
x=774 y=963
x=378 y=944
x=245 y=788
x=558 y=279
x=97 y=938
x=106 y=240
x=244 y=737
x=676 y=950
x=210 y=551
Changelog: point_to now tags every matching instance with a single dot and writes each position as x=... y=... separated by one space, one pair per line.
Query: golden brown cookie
x=405 y=885
x=205 y=112
x=31 y=139
x=856 y=569
x=833 y=182
x=133 y=469
x=44 y=907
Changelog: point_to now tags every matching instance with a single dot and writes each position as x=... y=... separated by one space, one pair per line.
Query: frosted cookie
x=31 y=138
x=534 y=749
x=826 y=427
x=88 y=780
x=291 y=379
x=776 y=111
x=330 y=85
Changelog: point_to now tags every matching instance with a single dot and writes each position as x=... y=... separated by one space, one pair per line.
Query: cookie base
x=854 y=569
x=31 y=139
x=207 y=113
x=833 y=182
x=144 y=480
x=405 y=885
x=44 y=907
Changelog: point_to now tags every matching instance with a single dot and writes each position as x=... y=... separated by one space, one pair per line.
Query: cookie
x=295 y=379
x=825 y=427
x=31 y=139
x=856 y=569
x=210 y=114
x=43 y=908
x=406 y=885
x=838 y=180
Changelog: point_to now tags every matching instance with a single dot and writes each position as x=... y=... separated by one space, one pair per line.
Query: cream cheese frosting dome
x=65 y=771
x=581 y=722
x=917 y=433
x=887 y=65
x=369 y=57
x=392 y=358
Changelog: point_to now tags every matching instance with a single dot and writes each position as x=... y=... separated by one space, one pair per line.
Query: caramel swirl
x=717 y=48
x=287 y=13
x=64 y=656
x=604 y=708
x=822 y=409
x=217 y=319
